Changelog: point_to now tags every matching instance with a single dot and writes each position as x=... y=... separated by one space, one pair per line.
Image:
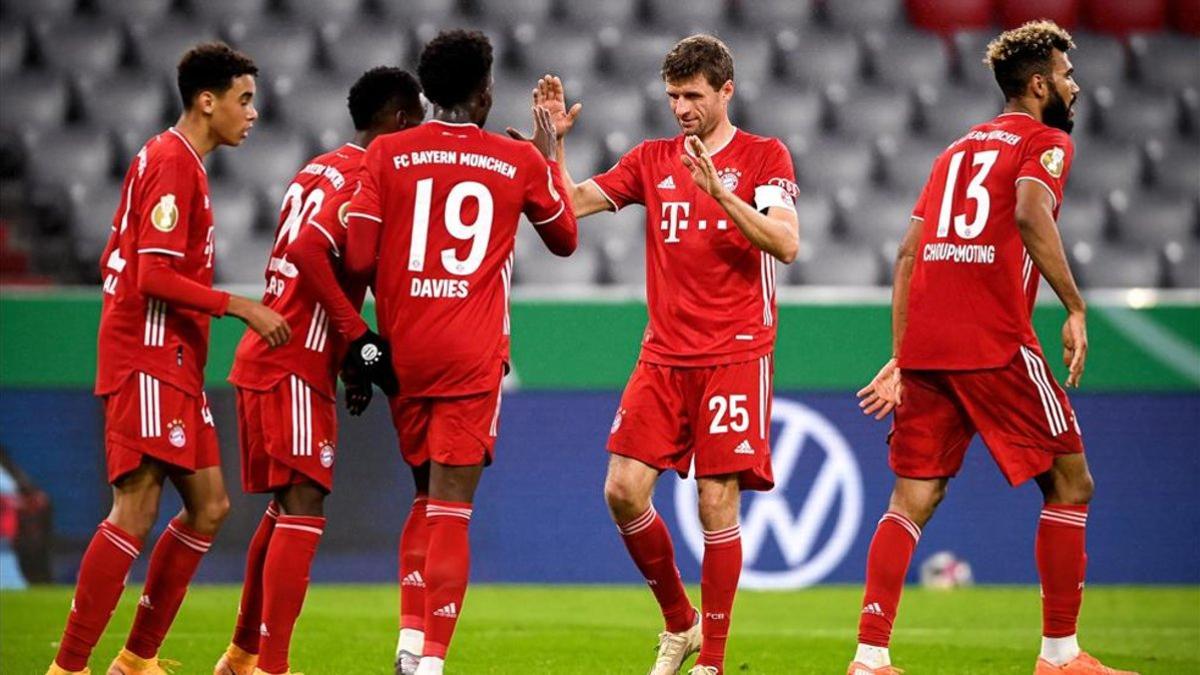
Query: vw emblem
x=833 y=503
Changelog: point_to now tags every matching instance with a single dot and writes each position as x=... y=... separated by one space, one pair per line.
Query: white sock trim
x=431 y=665
x=1060 y=651
x=872 y=656
x=411 y=641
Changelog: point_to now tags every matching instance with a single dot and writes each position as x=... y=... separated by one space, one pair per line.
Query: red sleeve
x=1047 y=160
x=918 y=210
x=547 y=208
x=157 y=279
x=776 y=182
x=312 y=253
x=364 y=219
x=167 y=190
x=622 y=184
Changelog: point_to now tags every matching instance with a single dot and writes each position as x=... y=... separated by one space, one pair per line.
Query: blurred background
x=863 y=92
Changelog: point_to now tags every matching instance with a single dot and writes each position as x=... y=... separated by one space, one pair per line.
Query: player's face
x=1063 y=92
x=233 y=112
x=697 y=106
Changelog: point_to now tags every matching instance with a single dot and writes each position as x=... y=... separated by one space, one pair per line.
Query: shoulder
x=1046 y=135
x=758 y=143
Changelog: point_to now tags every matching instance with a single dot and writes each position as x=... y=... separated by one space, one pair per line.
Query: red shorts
x=288 y=435
x=147 y=417
x=715 y=417
x=1021 y=412
x=455 y=431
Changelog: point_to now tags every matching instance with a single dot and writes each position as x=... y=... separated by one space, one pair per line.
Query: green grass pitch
x=612 y=629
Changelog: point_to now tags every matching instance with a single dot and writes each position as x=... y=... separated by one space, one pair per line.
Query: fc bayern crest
x=730 y=177
x=176 y=435
x=327 y=450
x=617 y=420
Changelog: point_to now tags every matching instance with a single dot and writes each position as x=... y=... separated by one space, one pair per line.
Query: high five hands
x=548 y=94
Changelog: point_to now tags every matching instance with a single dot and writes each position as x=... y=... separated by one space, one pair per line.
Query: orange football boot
x=1084 y=664
x=857 y=668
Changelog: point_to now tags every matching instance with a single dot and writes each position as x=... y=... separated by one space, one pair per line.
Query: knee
x=1074 y=490
x=624 y=501
x=135 y=517
x=919 y=505
x=718 y=504
x=208 y=517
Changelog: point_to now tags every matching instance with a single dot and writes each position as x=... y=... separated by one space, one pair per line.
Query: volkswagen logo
x=796 y=522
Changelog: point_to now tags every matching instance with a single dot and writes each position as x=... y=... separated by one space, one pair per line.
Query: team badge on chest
x=730 y=177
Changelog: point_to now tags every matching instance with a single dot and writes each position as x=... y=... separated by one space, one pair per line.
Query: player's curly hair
x=454 y=66
x=382 y=89
x=1018 y=54
x=211 y=66
x=703 y=54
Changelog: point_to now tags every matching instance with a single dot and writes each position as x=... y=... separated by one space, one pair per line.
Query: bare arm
x=884 y=392
x=1035 y=219
x=777 y=231
x=586 y=198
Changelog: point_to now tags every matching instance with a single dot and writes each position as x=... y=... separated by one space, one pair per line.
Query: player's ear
x=727 y=90
x=205 y=101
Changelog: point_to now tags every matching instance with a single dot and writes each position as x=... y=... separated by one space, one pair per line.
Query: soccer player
x=287 y=397
x=966 y=359
x=153 y=343
x=438 y=206
x=700 y=395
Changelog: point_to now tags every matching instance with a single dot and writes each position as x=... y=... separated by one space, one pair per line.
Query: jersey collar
x=355 y=146
x=453 y=124
x=187 y=144
x=714 y=151
x=1016 y=112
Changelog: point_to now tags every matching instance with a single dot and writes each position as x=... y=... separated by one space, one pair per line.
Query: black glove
x=358 y=392
x=370 y=357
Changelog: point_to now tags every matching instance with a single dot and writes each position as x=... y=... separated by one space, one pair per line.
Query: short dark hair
x=454 y=66
x=211 y=66
x=1020 y=53
x=381 y=89
x=699 y=54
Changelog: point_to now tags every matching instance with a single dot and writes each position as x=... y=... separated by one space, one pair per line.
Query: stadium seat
x=970 y=49
x=316 y=105
x=538 y=51
x=816 y=215
x=536 y=266
x=267 y=159
x=1183 y=267
x=773 y=14
x=1152 y=220
x=828 y=166
x=444 y=13
x=584 y=158
x=1099 y=60
x=70 y=155
x=820 y=58
x=1013 y=13
x=279 y=49
x=1138 y=116
x=907 y=58
x=753 y=58
x=1116 y=266
x=1122 y=16
x=1104 y=166
x=614 y=109
x=228 y=10
x=512 y=12
x=635 y=56
x=1083 y=218
x=877 y=219
x=1175 y=168
x=125 y=101
x=354 y=48
x=80 y=46
x=319 y=12
x=133 y=10
x=623 y=243
x=33 y=101
x=92 y=211
x=1166 y=61
x=948 y=16
x=14 y=45
x=42 y=9
x=834 y=264
x=863 y=14
x=870 y=113
x=783 y=111
x=593 y=15
x=235 y=209
x=948 y=113
x=907 y=163
x=684 y=18
x=159 y=45
x=244 y=262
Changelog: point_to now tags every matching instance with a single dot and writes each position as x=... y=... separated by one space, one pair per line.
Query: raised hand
x=549 y=94
x=701 y=166
x=882 y=395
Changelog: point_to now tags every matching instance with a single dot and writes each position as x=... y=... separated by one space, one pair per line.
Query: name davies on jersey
x=471 y=159
x=439 y=288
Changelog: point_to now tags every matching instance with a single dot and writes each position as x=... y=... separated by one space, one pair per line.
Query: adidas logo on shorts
x=450 y=611
x=743 y=448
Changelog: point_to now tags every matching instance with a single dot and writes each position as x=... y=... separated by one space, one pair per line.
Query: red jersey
x=973 y=284
x=317 y=197
x=448 y=198
x=164 y=211
x=710 y=292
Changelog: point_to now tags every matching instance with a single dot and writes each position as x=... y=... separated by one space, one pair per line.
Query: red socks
x=447 y=567
x=102 y=575
x=172 y=564
x=649 y=544
x=285 y=583
x=245 y=636
x=719 y=573
x=1061 y=561
x=414 y=542
x=887 y=564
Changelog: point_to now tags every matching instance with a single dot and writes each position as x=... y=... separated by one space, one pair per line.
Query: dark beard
x=1057 y=113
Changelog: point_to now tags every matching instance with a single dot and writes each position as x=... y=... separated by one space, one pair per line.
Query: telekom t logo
x=674 y=219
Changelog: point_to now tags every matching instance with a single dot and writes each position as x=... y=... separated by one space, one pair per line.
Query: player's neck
x=720 y=135
x=363 y=138
x=197 y=133
x=1020 y=105
x=454 y=115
